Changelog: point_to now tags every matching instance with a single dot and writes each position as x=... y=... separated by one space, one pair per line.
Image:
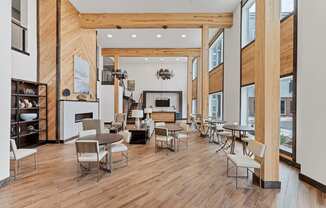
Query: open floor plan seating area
x=188 y=103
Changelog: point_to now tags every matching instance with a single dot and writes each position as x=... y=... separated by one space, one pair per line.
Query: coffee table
x=139 y=135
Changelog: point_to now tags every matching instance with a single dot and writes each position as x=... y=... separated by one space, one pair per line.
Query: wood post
x=116 y=85
x=189 y=87
x=267 y=81
x=204 y=71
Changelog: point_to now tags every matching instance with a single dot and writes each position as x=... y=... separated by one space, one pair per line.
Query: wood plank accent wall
x=216 y=79
x=248 y=53
x=204 y=72
x=47 y=20
x=76 y=41
x=156 y=20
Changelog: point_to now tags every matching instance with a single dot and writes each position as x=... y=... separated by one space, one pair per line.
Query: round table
x=237 y=128
x=105 y=139
x=173 y=128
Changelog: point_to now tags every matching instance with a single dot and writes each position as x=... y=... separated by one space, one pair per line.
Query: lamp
x=137 y=114
x=147 y=112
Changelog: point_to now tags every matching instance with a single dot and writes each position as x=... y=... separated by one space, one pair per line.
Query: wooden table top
x=238 y=127
x=104 y=138
x=173 y=127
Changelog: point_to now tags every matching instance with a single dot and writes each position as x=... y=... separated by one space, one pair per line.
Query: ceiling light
x=110 y=35
x=159 y=36
x=183 y=35
x=177 y=59
x=134 y=36
x=161 y=59
x=146 y=59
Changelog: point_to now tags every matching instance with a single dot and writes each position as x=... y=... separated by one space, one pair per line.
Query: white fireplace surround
x=68 y=109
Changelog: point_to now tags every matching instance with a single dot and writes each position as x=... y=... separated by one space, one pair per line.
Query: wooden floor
x=190 y=178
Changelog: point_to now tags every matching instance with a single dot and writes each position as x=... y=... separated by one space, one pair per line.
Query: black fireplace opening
x=80 y=116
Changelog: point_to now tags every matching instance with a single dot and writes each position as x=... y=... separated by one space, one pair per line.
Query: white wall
x=145 y=76
x=232 y=69
x=311 y=139
x=24 y=66
x=5 y=86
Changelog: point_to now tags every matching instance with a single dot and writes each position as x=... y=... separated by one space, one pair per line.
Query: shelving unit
x=29 y=133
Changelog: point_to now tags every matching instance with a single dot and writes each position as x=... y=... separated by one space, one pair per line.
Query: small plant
x=283 y=139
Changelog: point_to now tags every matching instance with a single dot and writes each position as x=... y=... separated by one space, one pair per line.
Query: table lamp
x=147 y=112
x=137 y=114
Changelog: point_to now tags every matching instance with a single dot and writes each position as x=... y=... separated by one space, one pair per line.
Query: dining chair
x=88 y=151
x=162 y=138
x=183 y=136
x=243 y=161
x=119 y=147
x=17 y=155
x=159 y=124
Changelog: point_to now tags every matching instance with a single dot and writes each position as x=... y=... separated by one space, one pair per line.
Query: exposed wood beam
x=267 y=81
x=151 y=52
x=155 y=20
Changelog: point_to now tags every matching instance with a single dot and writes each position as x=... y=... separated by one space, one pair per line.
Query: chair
x=126 y=136
x=244 y=161
x=162 y=138
x=120 y=121
x=183 y=136
x=159 y=124
x=119 y=147
x=17 y=155
x=88 y=151
x=97 y=124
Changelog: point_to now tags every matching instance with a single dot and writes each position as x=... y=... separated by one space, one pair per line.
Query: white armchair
x=17 y=155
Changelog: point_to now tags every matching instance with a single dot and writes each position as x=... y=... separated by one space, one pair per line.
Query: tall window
x=216 y=106
x=194 y=106
x=216 y=52
x=194 y=68
x=248 y=22
x=287 y=8
x=286 y=111
x=19 y=25
x=248 y=105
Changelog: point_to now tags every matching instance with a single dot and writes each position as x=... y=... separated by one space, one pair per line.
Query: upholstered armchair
x=120 y=120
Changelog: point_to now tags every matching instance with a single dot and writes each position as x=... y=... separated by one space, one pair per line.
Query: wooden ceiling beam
x=155 y=20
x=151 y=52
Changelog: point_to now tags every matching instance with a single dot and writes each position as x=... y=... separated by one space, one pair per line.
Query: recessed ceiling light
x=134 y=36
x=110 y=35
x=183 y=35
x=159 y=36
x=177 y=59
x=146 y=59
x=161 y=59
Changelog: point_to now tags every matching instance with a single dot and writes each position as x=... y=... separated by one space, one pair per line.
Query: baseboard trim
x=266 y=184
x=321 y=187
x=4 y=182
x=290 y=162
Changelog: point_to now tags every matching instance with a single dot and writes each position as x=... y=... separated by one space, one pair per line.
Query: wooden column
x=204 y=71
x=116 y=85
x=189 y=87
x=267 y=80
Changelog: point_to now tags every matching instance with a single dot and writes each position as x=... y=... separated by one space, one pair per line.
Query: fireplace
x=80 y=116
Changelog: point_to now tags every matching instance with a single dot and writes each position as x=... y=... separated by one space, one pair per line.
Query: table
x=212 y=128
x=237 y=128
x=139 y=135
x=173 y=128
x=106 y=139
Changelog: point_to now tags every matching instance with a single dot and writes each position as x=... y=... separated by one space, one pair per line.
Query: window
x=248 y=22
x=216 y=52
x=248 y=105
x=194 y=106
x=286 y=117
x=216 y=106
x=194 y=68
x=19 y=25
x=287 y=8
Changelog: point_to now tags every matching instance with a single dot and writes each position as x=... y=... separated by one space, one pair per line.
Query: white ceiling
x=158 y=60
x=146 y=6
x=146 y=38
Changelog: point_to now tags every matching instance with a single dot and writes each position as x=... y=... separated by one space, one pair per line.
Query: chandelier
x=164 y=74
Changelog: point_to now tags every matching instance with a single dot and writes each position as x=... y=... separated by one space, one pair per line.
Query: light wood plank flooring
x=190 y=178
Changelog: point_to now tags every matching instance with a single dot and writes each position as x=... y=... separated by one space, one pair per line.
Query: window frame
x=194 y=73
x=243 y=5
x=219 y=37
x=219 y=108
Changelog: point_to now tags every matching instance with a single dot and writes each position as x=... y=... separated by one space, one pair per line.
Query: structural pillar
x=116 y=85
x=204 y=71
x=189 y=87
x=267 y=81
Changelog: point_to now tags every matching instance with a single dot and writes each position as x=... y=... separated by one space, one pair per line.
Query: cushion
x=91 y=157
x=182 y=136
x=119 y=148
x=243 y=161
x=163 y=138
x=224 y=133
x=22 y=153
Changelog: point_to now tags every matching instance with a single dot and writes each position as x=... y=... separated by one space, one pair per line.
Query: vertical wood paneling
x=216 y=79
x=189 y=86
x=204 y=70
x=194 y=88
x=47 y=19
x=75 y=41
x=248 y=53
x=116 y=84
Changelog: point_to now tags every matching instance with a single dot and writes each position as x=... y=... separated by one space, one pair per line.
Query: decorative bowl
x=28 y=116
